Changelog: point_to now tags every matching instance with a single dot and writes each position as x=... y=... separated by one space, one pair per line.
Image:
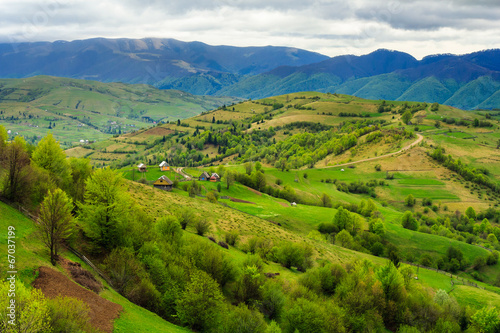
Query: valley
x=362 y=214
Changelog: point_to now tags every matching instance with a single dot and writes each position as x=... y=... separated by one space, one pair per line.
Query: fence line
x=88 y=262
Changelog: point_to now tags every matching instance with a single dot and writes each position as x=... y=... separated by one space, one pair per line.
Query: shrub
x=408 y=221
x=242 y=319
x=378 y=167
x=231 y=237
x=201 y=226
x=69 y=315
x=273 y=300
x=201 y=304
x=410 y=201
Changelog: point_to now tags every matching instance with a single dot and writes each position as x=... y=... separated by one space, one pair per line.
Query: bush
x=201 y=304
x=408 y=221
x=202 y=226
x=231 y=237
x=242 y=319
x=410 y=201
x=273 y=300
x=69 y=315
x=378 y=167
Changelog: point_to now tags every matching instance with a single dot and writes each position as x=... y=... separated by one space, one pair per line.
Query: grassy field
x=75 y=110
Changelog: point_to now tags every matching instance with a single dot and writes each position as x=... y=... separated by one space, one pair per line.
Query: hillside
x=75 y=110
x=333 y=213
x=469 y=81
x=30 y=256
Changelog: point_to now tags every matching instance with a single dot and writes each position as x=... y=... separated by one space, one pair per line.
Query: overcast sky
x=330 y=27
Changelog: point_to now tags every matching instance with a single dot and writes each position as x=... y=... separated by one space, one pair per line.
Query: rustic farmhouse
x=204 y=176
x=163 y=183
x=142 y=167
x=164 y=166
x=215 y=178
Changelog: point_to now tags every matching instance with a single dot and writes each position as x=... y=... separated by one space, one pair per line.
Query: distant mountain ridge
x=467 y=81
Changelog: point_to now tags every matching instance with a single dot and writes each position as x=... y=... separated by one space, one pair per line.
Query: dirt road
x=419 y=139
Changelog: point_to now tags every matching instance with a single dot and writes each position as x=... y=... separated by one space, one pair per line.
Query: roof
x=164 y=164
x=163 y=180
x=215 y=175
x=141 y=165
x=205 y=174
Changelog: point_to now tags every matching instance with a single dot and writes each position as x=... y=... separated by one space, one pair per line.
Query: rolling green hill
x=75 y=110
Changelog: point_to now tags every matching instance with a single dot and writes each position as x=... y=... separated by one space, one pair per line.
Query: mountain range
x=470 y=81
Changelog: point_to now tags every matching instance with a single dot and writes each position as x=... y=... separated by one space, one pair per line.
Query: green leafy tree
x=470 y=213
x=169 y=229
x=55 y=222
x=229 y=179
x=406 y=117
x=259 y=180
x=410 y=200
x=104 y=212
x=486 y=320
x=326 y=201
x=244 y=320
x=80 y=172
x=186 y=217
x=49 y=156
x=201 y=304
x=17 y=178
x=408 y=221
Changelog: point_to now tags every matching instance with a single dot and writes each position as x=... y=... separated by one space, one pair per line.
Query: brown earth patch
x=102 y=312
x=158 y=131
x=242 y=201
x=284 y=204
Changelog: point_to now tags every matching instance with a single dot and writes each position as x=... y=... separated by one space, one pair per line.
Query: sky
x=330 y=27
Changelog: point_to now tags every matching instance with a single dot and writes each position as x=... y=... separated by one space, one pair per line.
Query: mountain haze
x=467 y=81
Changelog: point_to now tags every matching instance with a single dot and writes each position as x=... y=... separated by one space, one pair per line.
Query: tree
x=169 y=228
x=16 y=163
x=186 y=217
x=408 y=221
x=326 y=201
x=471 y=213
x=229 y=178
x=80 y=172
x=410 y=201
x=259 y=180
x=55 y=222
x=201 y=303
x=201 y=226
x=407 y=117
x=248 y=168
x=49 y=156
x=104 y=212
x=486 y=320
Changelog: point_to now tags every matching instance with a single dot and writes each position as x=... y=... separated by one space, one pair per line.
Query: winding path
x=180 y=171
x=420 y=138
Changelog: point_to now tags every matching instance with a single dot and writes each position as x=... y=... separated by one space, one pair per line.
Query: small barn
x=204 y=176
x=142 y=167
x=163 y=183
x=164 y=166
x=215 y=177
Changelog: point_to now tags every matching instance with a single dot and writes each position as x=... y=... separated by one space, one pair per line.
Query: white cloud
x=331 y=27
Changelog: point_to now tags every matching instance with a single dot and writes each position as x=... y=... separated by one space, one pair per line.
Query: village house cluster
x=164 y=183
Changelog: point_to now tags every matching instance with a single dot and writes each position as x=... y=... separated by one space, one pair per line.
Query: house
x=215 y=178
x=163 y=183
x=142 y=167
x=164 y=166
x=204 y=176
